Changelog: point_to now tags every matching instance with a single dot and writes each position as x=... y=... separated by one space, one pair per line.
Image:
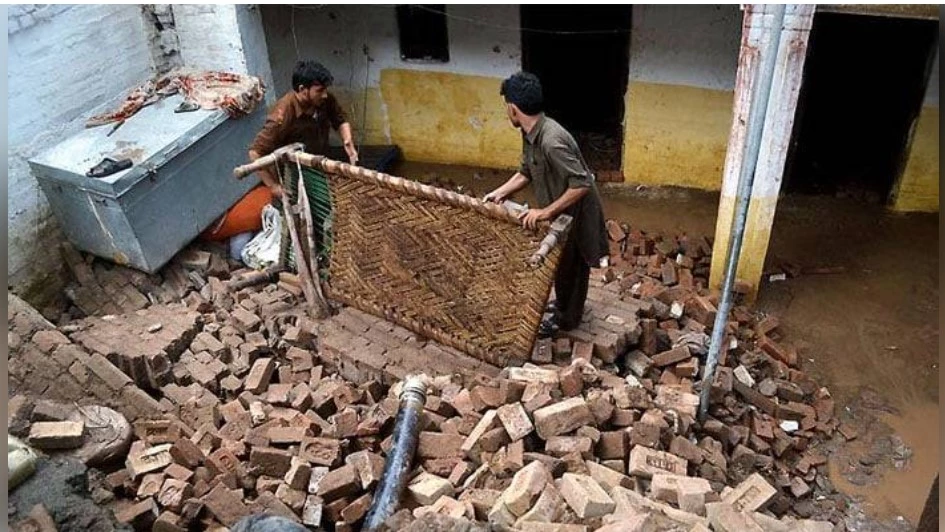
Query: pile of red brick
x=260 y=409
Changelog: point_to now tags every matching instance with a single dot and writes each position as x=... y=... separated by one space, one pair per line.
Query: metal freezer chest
x=181 y=181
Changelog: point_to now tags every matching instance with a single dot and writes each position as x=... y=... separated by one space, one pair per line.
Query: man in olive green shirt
x=563 y=184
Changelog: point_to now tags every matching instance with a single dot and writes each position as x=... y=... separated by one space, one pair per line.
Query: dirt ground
x=869 y=333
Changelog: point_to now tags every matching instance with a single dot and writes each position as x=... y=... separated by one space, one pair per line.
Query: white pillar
x=775 y=140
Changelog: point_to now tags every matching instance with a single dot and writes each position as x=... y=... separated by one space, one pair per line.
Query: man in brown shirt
x=563 y=184
x=304 y=115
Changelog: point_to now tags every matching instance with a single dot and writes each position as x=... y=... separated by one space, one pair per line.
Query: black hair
x=308 y=73
x=524 y=90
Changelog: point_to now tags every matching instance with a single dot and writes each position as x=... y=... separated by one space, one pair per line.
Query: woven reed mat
x=446 y=266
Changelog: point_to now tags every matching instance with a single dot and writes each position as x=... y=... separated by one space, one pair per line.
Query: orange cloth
x=243 y=217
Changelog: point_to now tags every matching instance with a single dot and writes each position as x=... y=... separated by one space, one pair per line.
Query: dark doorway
x=582 y=56
x=864 y=81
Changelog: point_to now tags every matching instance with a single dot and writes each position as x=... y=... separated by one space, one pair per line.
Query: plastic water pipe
x=403 y=446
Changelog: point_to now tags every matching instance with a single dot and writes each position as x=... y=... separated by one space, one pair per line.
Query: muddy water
x=875 y=324
x=898 y=493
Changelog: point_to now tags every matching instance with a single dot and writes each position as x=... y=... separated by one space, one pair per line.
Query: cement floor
x=875 y=325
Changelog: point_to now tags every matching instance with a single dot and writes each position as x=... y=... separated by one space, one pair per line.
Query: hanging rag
x=237 y=94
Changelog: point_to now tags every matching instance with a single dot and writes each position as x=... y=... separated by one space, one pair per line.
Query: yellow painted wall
x=372 y=124
x=449 y=118
x=676 y=135
x=918 y=186
x=758 y=224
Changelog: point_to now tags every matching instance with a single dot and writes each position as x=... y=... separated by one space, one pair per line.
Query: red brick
x=543 y=353
x=142 y=403
x=321 y=451
x=294 y=499
x=298 y=475
x=56 y=434
x=672 y=356
x=668 y=273
x=186 y=453
x=485 y=424
x=562 y=417
x=148 y=459
x=526 y=486
x=332 y=513
x=439 y=445
x=775 y=350
x=50 y=411
x=645 y=462
x=755 y=398
x=352 y=513
x=222 y=462
x=173 y=494
x=189 y=512
x=287 y=435
x=48 y=340
x=687 y=369
x=613 y=445
x=571 y=381
x=167 y=522
x=339 y=483
x=259 y=376
x=245 y=320
x=270 y=462
x=225 y=505
x=609 y=478
x=601 y=405
x=751 y=495
x=119 y=481
x=276 y=394
x=312 y=511
x=141 y=515
x=645 y=434
x=564 y=445
x=582 y=350
x=682 y=447
x=105 y=370
x=301 y=397
x=515 y=421
x=585 y=496
x=150 y=485
x=795 y=411
x=701 y=309
x=178 y=472
x=369 y=466
x=493 y=440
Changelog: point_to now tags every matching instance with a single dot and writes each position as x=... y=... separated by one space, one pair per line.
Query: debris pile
x=253 y=407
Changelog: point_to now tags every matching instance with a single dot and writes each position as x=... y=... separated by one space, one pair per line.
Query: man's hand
x=352 y=153
x=531 y=217
x=276 y=190
x=495 y=196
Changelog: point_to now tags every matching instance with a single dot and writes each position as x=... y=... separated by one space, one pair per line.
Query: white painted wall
x=66 y=62
x=692 y=45
x=225 y=37
x=337 y=36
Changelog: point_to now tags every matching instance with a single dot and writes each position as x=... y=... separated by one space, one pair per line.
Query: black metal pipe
x=398 y=464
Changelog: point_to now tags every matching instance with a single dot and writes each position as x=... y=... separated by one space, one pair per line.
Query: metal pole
x=761 y=90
